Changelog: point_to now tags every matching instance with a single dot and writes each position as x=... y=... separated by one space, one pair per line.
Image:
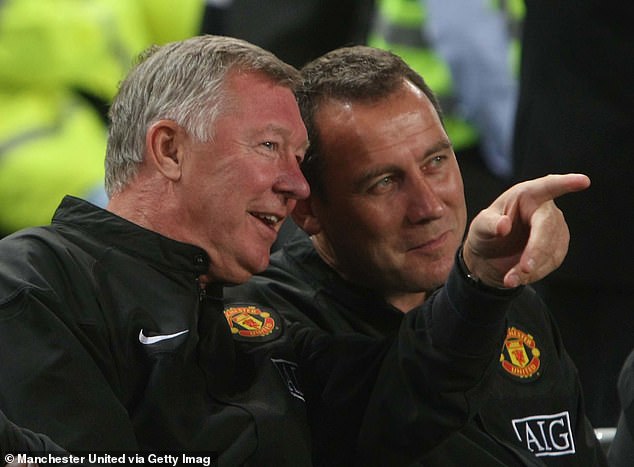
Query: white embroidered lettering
x=546 y=435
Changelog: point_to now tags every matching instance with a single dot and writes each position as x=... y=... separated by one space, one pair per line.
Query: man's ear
x=304 y=216
x=164 y=150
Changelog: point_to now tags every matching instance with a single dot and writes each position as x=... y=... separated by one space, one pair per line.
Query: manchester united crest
x=520 y=355
x=249 y=321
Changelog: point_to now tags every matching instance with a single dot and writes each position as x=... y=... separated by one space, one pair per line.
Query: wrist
x=474 y=280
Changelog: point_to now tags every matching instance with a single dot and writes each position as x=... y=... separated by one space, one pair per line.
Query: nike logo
x=149 y=340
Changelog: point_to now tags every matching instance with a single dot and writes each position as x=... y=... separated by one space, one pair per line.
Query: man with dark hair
x=385 y=218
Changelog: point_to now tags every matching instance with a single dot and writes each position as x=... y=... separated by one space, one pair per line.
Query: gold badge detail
x=520 y=355
x=249 y=321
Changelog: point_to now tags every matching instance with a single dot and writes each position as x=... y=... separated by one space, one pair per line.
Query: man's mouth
x=431 y=244
x=269 y=219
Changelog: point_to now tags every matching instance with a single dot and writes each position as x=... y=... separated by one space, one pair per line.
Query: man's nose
x=291 y=181
x=423 y=203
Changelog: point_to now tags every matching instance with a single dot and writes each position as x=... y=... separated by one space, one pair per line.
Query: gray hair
x=181 y=81
x=349 y=74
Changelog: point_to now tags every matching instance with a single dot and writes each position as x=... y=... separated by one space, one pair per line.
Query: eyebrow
x=441 y=145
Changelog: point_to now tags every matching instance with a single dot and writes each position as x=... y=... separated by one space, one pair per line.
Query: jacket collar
x=117 y=232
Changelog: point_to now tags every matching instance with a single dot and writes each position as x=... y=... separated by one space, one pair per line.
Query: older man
x=385 y=218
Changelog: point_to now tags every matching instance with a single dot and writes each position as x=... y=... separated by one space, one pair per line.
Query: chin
x=237 y=277
x=239 y=265
x=435 y=276
x=239 y=274
x=260 y=263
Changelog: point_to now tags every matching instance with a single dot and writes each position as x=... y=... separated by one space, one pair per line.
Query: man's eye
x=270 y=145
x=382 y=185
x=437 y=161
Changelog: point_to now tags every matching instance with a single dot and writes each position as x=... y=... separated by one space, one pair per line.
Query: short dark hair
x=359 y=74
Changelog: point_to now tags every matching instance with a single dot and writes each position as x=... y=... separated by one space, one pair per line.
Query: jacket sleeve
x=15 y=439
x=51 y=383
x=430 y=379
x=398 y=398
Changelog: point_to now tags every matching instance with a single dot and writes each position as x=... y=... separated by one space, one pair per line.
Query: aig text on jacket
x=172 y=459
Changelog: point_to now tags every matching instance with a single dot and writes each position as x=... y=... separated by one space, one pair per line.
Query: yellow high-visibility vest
x=52 y=139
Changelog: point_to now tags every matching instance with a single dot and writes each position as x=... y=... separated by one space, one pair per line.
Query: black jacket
x=533 y=401
x=107 y=342
x=81 y=305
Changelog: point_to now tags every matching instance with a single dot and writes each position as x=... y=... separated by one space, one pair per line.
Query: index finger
x=553 y=186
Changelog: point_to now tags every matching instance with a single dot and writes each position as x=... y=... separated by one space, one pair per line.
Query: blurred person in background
x=60 y=64
x=576 y=112
x=297 y=31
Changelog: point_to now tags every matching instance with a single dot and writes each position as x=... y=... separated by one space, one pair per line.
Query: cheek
x=374 y=233
x=456 y=186
x=253 y=177
x=451 y=191
x=459 y=207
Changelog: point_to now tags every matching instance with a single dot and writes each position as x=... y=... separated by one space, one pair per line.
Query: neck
x=406 y=301
x=146 y=204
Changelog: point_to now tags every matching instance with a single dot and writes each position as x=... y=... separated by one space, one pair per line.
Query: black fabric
x=300 y=286
x=424 y=389
x=74 y=300
x=108 y=343
x=15 y=440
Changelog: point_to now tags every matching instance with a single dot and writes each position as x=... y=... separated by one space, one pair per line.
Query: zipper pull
x=202 y=289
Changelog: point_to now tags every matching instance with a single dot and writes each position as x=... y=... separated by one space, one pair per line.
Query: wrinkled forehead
x=264 y=105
